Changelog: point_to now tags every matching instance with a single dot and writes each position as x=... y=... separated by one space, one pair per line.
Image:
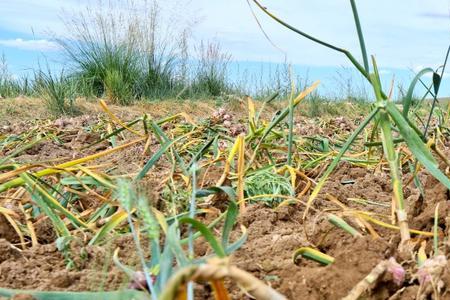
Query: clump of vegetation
x=58 y=92
x=9 y=86
x=129 y=53
x=210 y=78
x=266 y=186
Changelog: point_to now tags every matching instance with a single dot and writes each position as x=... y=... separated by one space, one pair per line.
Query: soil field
x=358 y=191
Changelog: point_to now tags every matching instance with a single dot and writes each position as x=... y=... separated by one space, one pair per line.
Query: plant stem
x=435 y=231
x=192 y=209
x=134 y=232
x=360 y=36
x=392 y=157
x=435 y=94
x=291 y=124
x=316 y=40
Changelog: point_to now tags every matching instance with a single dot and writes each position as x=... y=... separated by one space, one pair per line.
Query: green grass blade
x=50 y=201
x=173 y=240
x=201 y=152
x=278 y=118
x=192 y=213
x=209 y=226
x=376 y=82
x=112 y=223
x=166 y=264
x=362 y=44
x=339 y=222
x=66 y=295
x=156 y=157
x=237 y=244
x=207 y=234
x=419 y=185
x=407 y=101
x=231 y=193
x=230 y=220
x=285 y=111
x=290 y=125
x=59 y=225
x=316 y=40
x=338 y=157
x=160 y=133
x=78 y=181
x=101 y=212
x=391 y=156
x=313 y=254
x=416 y=145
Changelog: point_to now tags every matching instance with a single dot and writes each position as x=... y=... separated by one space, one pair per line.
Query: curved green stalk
x=435 y=231
x=352 y=59
x=436 y=90
x=313 y=254
x=409 y=95
x=66 y=295
x=339 y=222
x=291 y=124
x=391 y=156
x=360 y=36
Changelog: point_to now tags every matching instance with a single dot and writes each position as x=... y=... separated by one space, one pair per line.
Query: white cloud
x=385 y=72
x=35 y=45
x=37 y=17
x=399 y=35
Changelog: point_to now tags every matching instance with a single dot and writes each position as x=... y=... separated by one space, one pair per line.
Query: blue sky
x=403 y=35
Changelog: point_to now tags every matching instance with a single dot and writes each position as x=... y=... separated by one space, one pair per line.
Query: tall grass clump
x=9 y=86
x=164 y=58
x=279 y=80
x=271 y=79
x=387 y=118
x=101 y=54
x=351 y=85
x=140 y=50
x=210 y=78
x=57 y=91
x=266 y=81
x=108 y=71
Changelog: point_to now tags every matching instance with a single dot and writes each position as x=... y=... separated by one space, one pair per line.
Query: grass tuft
x=57 y=91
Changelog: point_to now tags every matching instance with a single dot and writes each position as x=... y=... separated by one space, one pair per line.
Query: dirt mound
x=274 y=235
x=83 y=268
